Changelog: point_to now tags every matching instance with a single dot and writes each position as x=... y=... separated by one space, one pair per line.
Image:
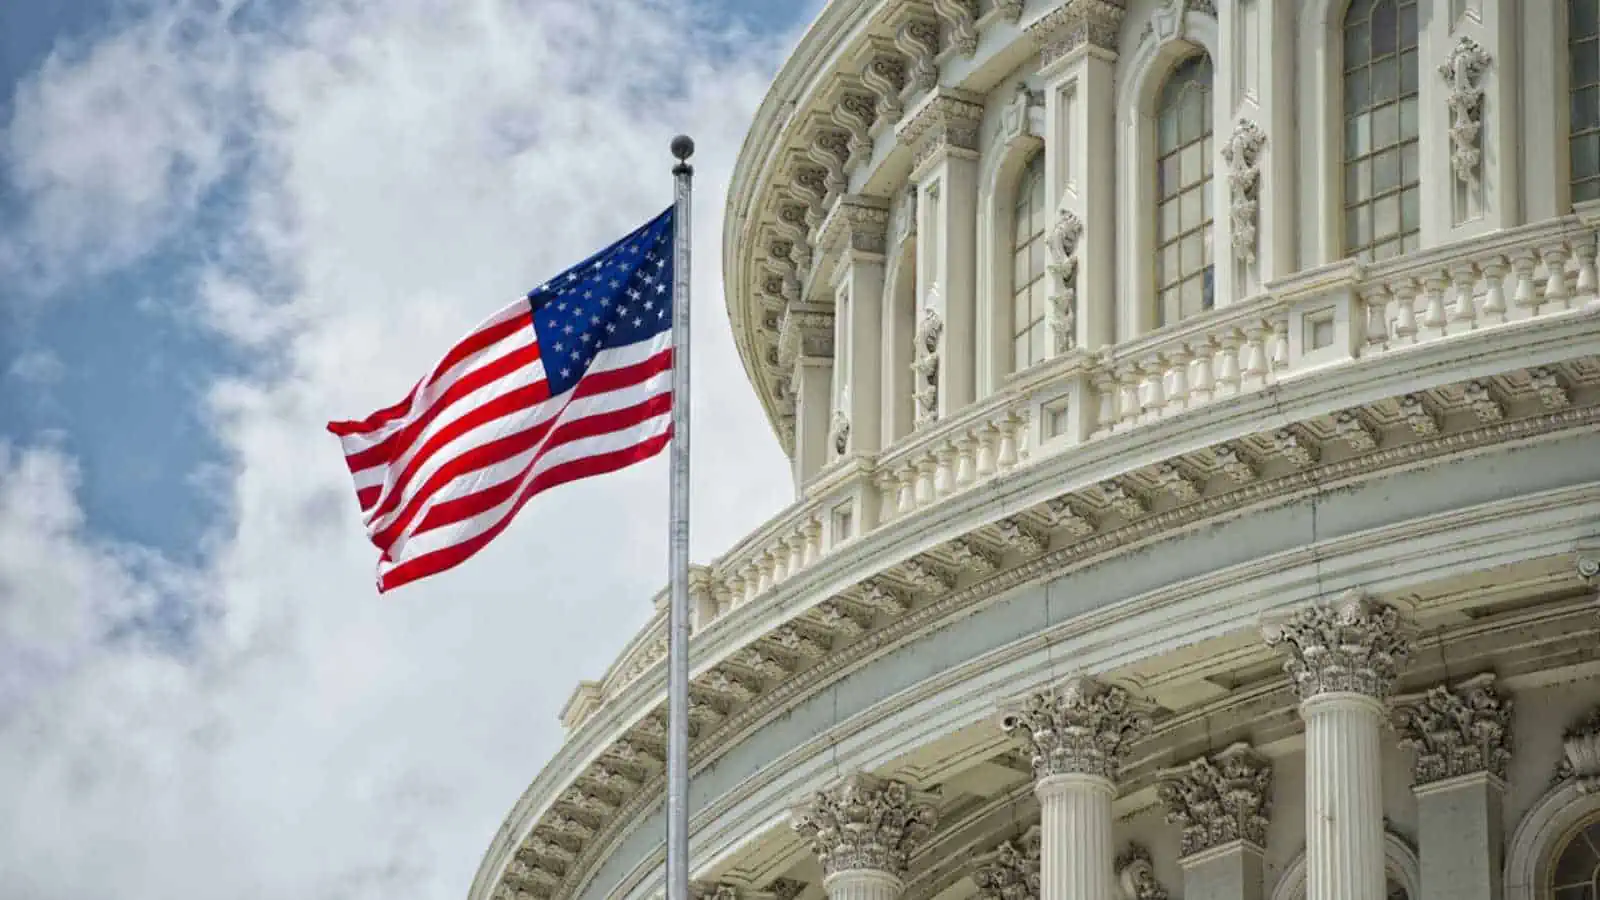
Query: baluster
x=1022 y=429
x=813 y=542
x=731 y=593
x=1280 y=344
x=764 y=567
x=780 y=563
x=1128 y=379
x=1202 y=351
x=1255 y=357
x=797 y=554
x=1523 y=295
x=888 y=502
x=1555 y=285
x=1494 y=290
x=1405 y=311
x=965 y=445
x=1228 y=365
x=926 y=466
x=1007 y=455
x=986 y=440
x=1376 y=302
x=1463 y=278
x=1105 y=387
x=752 y=580
x=1177 y=362
x=944 y=470
x=1584 y=249
x=1153 y=377
x=907 y=477
x=1433 y=292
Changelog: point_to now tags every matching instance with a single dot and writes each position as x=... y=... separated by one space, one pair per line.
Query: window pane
x=1386 y=171
x=1190 y=165
x=1169 y=221
x=1586 y=155
x=1411 y=210
x=1585 y=109
x=1019 y=351
x=1386 y=125
x=1357 y=225
x=1019 y=268
x=1386 y=250
x=1169 y=183
x=1583 y=17
x=1192 y=258
x=1385 y=81
x=1035 y=259
x=1167 y=136
x=1410 y=173
x=1193 y=296
x=1586 y=190
x=1408 y=24
x=1408 y=72
x=1585 y=65
x=1384 y=28
x=1408 y=118
x=1355 y=90
x=1386 y=217
x=1169 y=262
x=1356 y=47
x=1190 y=203
x=1357 y=136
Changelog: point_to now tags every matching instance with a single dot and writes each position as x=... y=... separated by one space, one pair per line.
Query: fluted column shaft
x=1076 y=855
x=862 y=884
x=1344 y=798
x=1343 y=658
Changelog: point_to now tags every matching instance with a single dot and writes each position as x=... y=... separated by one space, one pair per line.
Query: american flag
x=572 y=380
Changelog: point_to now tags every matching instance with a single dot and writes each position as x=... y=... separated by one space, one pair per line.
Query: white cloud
x=38 y=367
x=412 y=164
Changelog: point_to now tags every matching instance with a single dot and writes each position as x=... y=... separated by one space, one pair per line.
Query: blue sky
x=223 y=223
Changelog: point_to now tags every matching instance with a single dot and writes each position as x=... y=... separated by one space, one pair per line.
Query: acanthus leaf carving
x=1580 y=747
x=1136 y=875
x=1219 y=799
x=1063 y=246
x=1353 y=645
x=1242 y=155
x=1463 y=74
x=1076 y=23
x=1456 y=730
x=1011 y=872
x=1082 y=727
x=865 y=823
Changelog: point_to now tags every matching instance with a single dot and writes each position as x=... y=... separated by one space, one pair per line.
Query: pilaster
x=857 y=233
x=1343 y=659
x=1468 y=90
x=1079 y=734
x=942 y=132
x=1461 y=735
x=898 y=323
x=805 y=349
x=1223 y=804
x=1256 y=215
x=1077 y=45
x=863 y=831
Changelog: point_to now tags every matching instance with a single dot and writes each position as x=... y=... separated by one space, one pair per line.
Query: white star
x=637 y=322
x=572 y=276
x=611 y=326
x=567 y=330
x=594 y=320
x=615 y=283
x=634 y=295
x=661 y=289
x=649 y=304
x=566 y=373
x=560 y=346
x=586 y=337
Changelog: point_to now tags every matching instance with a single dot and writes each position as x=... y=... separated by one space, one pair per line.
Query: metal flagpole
x=678 y=506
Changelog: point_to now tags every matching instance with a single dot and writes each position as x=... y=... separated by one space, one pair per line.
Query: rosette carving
x=865 y=822
x=1352 y=646
x=1082 y=727
x=1011 y=872
x=1220 y=799
x=1456 y=730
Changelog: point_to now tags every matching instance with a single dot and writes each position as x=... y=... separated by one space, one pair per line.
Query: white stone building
x=1193 y=409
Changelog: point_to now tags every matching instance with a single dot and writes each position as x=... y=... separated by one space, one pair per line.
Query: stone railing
x=1317 y=319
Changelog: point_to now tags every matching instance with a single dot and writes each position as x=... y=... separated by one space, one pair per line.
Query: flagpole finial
x=682 y=149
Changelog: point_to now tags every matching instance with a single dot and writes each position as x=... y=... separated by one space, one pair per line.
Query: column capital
x=865 y=823
x=944 y=121
x=1082 y=727
x=1456 y=730
x=805 y=331
x=1220 y=799
x=1011 y=872
x=1075 y=24
x=1351 y=646
x=858 y=224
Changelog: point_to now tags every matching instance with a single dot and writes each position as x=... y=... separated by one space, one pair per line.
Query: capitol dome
x=1193 y=411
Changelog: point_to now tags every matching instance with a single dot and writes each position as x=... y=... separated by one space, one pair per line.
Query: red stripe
x=368 y=496
x=395 y=445
x=476 y=504
x=473 y=344
x=520 y=400
x=594 y=383
x=445 y=558
x=479 y=457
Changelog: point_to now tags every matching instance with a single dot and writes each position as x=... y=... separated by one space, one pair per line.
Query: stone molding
x=1456 y=730
x=865 y=822
x=1075 y=24
x=1220 y=799
x=1081 y=727
x=1350 y=646
x=1011 y=872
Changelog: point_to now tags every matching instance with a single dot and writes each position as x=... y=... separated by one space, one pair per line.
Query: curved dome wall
x=1193 y=408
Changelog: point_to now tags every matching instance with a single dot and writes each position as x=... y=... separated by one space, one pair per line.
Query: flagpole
x=678 y=511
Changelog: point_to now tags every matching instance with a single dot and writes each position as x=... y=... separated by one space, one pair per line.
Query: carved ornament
x=1082 y=727
x=1353 y=645
x=1136 y=875
x=1011 y=872
x=1074 y=24
x=865 y=823
x=1456 y=730
x=1220 y=799
x=1242 y=155
x=1062 y=242
x=1463 y=74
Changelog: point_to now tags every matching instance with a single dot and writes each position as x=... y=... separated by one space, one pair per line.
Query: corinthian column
x=1222 y=803
x=863 y=831
x=1079 y=734
x=1343 y=659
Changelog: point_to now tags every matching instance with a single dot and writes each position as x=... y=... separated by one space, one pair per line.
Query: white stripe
x=473 y=481
x=466 y=529
x=383 y=473
x=515 y=342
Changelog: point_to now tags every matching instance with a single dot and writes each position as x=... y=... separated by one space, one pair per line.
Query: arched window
x=1583 y=53
x=1382 y=200
x=1029 y=287
x=1576 y=873
x=1183 y=192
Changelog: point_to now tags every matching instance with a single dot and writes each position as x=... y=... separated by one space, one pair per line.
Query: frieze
x=1456 y=730
x=865 y=823
x=1082 y=727
x=1353 y=645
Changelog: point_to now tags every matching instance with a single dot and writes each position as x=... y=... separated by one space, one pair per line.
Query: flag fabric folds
x=571 y=381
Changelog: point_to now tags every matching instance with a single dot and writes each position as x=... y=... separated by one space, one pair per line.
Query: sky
x=222 y=224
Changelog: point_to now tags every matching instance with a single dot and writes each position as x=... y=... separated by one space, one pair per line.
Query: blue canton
x=619 y=296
